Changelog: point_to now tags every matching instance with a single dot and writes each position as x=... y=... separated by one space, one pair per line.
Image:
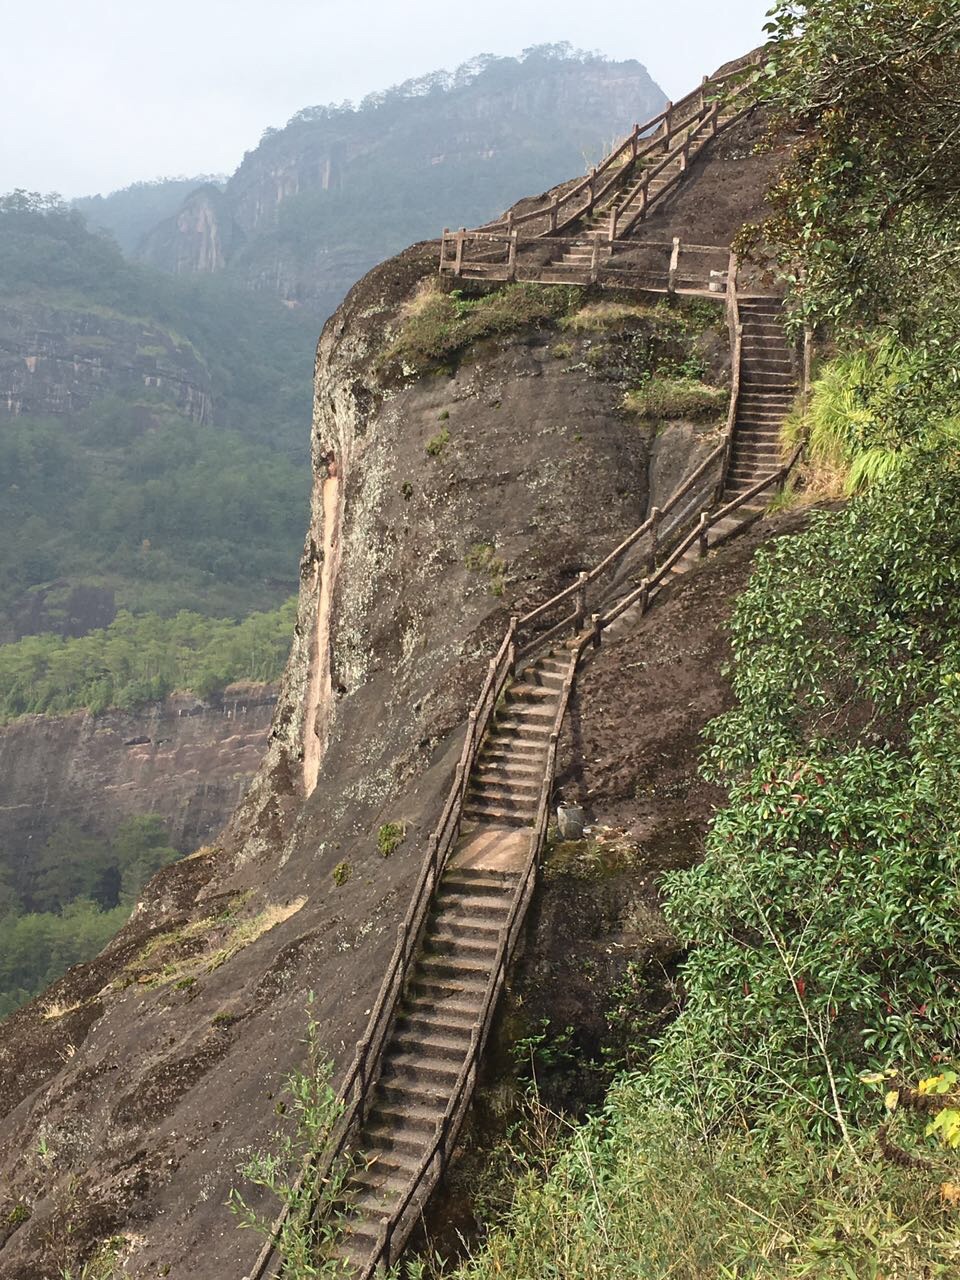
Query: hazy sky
x=96 y=94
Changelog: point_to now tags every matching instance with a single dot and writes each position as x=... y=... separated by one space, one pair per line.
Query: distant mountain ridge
x=338 y=189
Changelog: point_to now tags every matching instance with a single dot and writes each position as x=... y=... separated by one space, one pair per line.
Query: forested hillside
x=341 y=187
x=120 y=490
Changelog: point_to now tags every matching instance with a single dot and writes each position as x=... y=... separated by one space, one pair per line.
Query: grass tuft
x=676 y=398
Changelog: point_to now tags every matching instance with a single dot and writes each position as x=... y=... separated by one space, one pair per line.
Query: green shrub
x=390 y=835
x=341 y=873
x=871 y=408
x=436 y=444
x=824 y=940
x=664 y=397
x=482 y=558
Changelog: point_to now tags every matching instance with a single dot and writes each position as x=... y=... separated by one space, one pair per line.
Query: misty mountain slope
x=339 y=189
x=128 y=214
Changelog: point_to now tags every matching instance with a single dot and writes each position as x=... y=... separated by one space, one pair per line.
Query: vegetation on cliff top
x=140 y=659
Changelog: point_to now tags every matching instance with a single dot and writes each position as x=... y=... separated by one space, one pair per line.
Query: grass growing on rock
x=676 y=398
x=438 y=326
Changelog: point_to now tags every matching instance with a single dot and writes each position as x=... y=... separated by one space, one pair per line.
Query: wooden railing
x=644 y=139
x=736 y=359
x=699 y=534
x=397 y=1228
x=664 y=266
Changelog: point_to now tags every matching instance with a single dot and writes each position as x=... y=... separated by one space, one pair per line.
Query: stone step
x=447 y=941
x=487 y=811
x=500 y=793
x=457 y=1015
x=400 y=1143
x=519 y=779
x=418 y=1067
x=525 y=691
x=515 y=750
x=523 y=724
x=484 y=904
x=406 y=1119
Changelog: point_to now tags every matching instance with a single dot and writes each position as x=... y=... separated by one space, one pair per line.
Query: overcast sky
x=96 y=94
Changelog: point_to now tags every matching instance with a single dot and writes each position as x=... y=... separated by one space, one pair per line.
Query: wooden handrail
x=448 y=1125
x=735 y=329
x=673 y=119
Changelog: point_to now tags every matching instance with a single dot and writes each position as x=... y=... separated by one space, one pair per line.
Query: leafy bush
x=389 y=837
x=871 y=408
x=642 y=1192
x=822 y=917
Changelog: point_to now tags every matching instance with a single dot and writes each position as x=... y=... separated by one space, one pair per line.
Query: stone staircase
x=768 y=388
x=505 y=786
x=429 y=1043
x=628 y=199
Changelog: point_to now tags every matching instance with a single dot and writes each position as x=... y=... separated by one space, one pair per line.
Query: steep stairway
x=768 y=388
x=634 y=200
x=429 y=1044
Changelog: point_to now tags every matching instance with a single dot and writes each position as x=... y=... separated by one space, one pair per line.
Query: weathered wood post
x=458 y=264
x=512 y=256
x=702 y=534
x=512 y=647
x=443 y=249
x=644 y=595
x=807 y=371
x=635 y=142
x=685 y=154
x=554 y=213
x=667 y=125
x=581 y=598
x=612 y=229
x=656 y=516
x=597 y=631
x=595 y=261
x=591 y=186
x=703 y=94
x=674 y=266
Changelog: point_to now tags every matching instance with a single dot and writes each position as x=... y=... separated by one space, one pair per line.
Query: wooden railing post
x=596 y=629
x=703 y=94
x=644 y=596
x=674 y=266
x=667 y=125
x=581 y=598
x=512 y=647
x=595 y=261
x=612 y=229
x=554 y=213
x=591 y=187
x=458 y=264
x=512 y=256
x=656 y=515
x=702 y=535
x=635 y=142
x=443 y=248
x=685 y=154
x=807 y=371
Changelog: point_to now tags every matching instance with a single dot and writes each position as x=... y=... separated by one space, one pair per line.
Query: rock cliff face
x=57 y=358
x=319 y=202
x=151 y=1074
x=188 y=761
